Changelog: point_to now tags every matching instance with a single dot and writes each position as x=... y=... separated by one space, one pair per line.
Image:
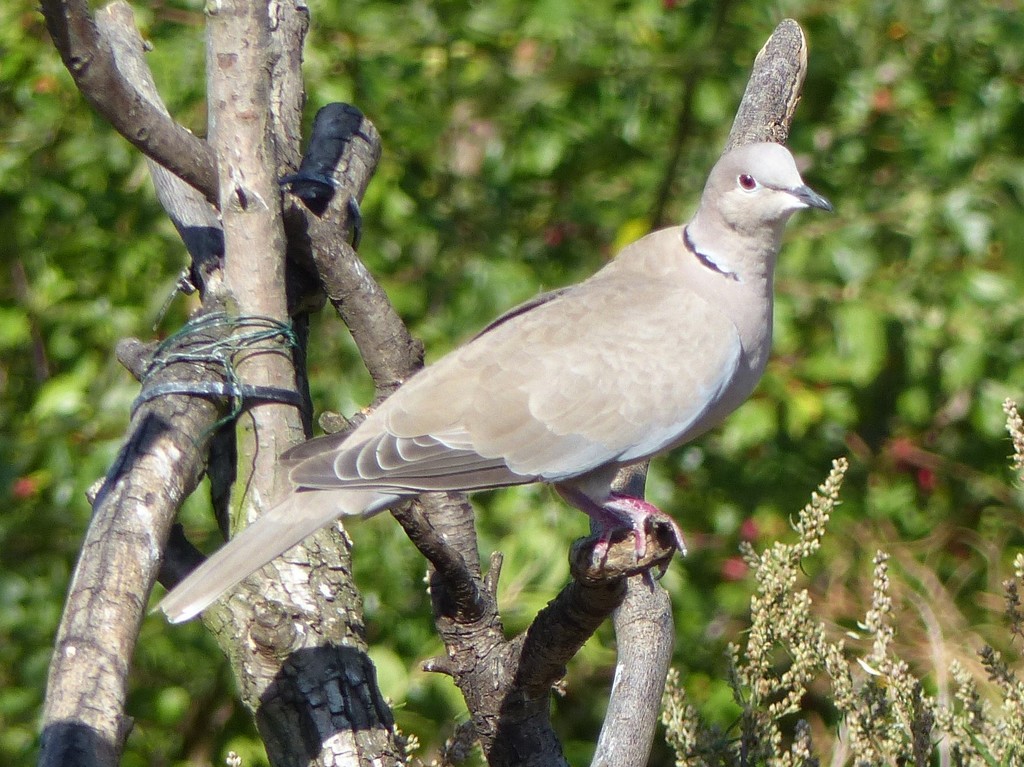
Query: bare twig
x=250 y=204
x=90 y=61
x=464 y=598
x=192 y=215
x=480 y=659
x=335 y=172
x=773 y=90
x=645 y=638
x=288 y=27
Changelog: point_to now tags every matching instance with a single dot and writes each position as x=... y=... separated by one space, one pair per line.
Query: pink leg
x=622 y=511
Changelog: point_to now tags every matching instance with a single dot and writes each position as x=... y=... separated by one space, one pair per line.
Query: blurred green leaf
x=523 y=145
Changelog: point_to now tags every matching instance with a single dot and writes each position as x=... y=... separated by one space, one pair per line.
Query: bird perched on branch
x=650 y=352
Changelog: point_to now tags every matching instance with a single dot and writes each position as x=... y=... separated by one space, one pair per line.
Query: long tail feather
x=277 y=530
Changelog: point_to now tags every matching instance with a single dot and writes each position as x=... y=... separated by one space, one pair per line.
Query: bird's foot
x=637 y=514
x=620 y=511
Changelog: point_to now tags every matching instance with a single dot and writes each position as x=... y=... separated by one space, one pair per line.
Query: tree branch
x=440 y=525
x=160 y=464
x=287 y=93
x=462 y=596
x=90 y=60
x=353 y=146
x=241 y=132
x=645 y=638
x=295 y=636
x=193 y=216
x=773 y=91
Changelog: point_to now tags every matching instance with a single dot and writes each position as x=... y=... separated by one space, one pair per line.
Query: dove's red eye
x=747 y=182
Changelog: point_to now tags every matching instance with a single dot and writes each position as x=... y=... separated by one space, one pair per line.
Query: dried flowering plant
x=886 y=714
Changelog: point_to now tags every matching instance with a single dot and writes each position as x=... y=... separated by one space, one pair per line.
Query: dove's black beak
x=810 y=198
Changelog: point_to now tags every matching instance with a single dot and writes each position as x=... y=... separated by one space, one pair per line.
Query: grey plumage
x=650 y=352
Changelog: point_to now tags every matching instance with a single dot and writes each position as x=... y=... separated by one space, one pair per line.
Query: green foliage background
x=523 y=144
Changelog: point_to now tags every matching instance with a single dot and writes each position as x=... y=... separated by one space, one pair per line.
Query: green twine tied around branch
x=222 y=340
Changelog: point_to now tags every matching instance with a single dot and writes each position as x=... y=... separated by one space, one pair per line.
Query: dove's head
x=756 y=188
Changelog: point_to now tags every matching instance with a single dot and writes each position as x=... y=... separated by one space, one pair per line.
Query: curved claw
x=638 y=513
x=618 y=511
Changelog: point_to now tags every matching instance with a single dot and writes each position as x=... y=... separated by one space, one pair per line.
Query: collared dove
x=650 y=352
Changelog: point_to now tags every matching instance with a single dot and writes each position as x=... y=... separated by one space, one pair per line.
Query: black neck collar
x=704 y=258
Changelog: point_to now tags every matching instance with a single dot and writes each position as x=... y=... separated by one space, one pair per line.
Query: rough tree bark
x=293 y=633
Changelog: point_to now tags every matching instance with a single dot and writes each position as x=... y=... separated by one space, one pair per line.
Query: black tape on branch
x=251 y=395
x=317 y=178
x=217 y=339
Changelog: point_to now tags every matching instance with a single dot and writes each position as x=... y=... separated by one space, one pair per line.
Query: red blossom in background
x=24 y=487
x=735 y=569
